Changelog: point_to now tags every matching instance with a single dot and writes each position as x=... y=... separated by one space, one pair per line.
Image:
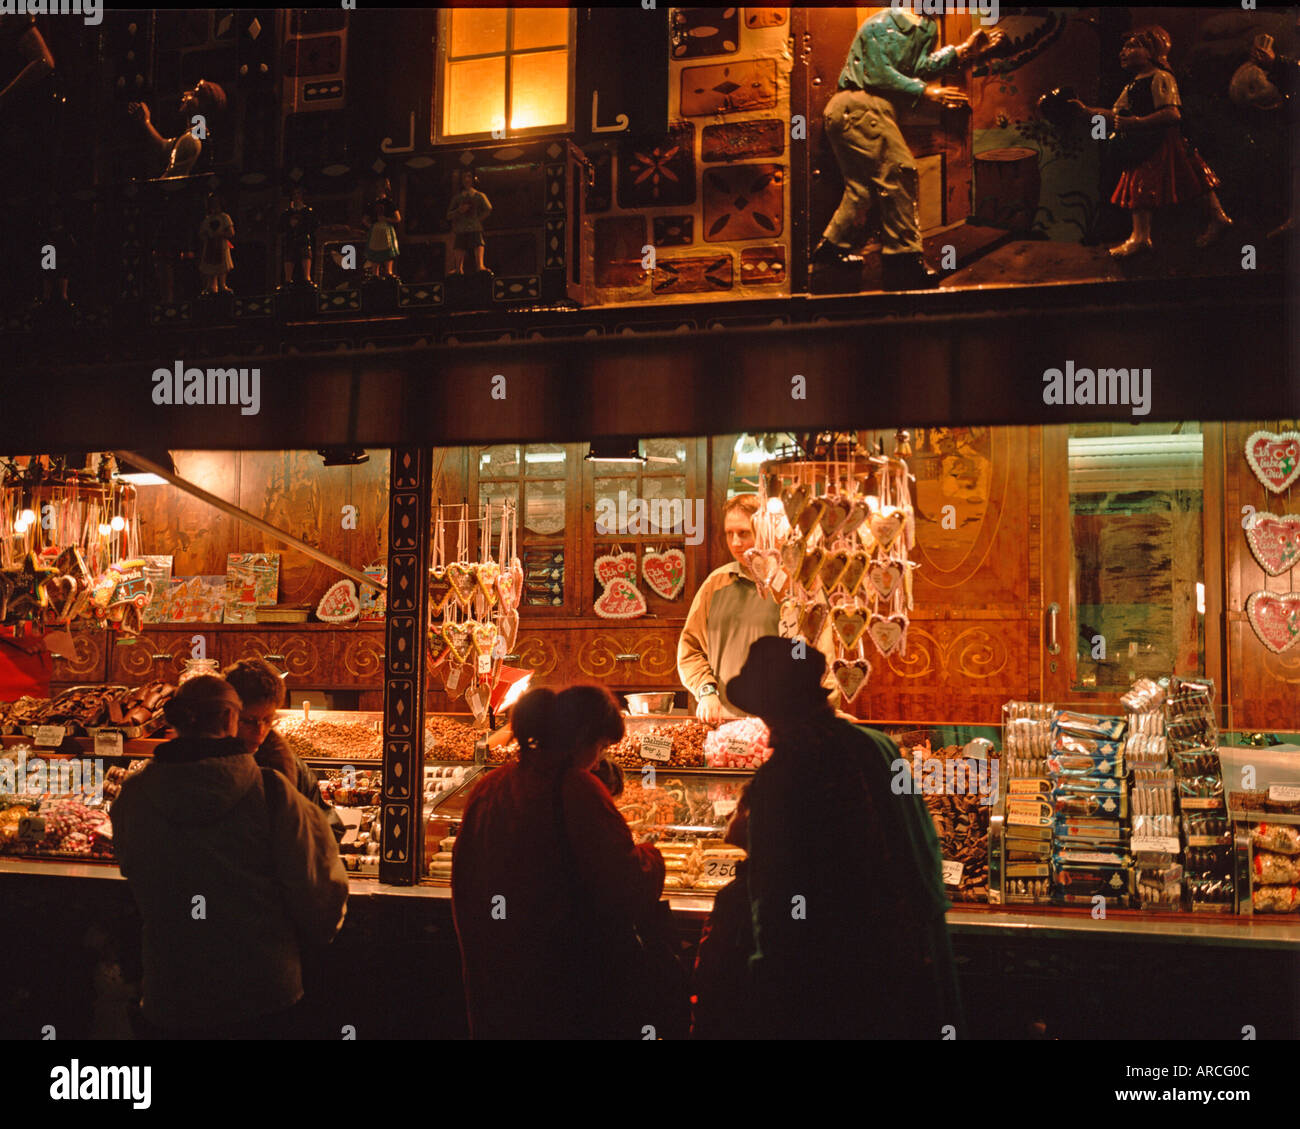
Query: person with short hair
x=726 y=616
x=234 y=873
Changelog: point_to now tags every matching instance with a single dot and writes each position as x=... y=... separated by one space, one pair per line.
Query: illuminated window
x=506 y=70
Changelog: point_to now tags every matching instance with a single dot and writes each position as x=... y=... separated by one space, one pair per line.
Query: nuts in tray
x=338 y=740
x=687 y=737
x=446 y=739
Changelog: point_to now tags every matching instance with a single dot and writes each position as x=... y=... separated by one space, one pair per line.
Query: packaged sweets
x=1277 y=837
x=1089 y=725
x=1275 y=899
x=1273 y=869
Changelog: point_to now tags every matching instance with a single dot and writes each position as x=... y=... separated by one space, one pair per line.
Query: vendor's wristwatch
x=705 y=690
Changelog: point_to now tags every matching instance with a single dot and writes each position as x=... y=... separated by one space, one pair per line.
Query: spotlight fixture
x=614 y=451
x=128 y=472
x=343 y=456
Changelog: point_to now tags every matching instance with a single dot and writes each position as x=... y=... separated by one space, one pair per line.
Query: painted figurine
x=1161 y=167
x=892 y=59
x=1283 y=71
x=381 y=246
x=297 y=231
x=216 y=237
x=468 y=209
x=180 y=153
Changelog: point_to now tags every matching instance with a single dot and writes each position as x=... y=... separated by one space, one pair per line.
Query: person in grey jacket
x=234 y=872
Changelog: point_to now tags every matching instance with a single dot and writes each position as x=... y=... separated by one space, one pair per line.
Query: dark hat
x=774 y=682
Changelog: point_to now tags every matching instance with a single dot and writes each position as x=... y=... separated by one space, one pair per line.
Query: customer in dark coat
x=547 y=882
x=261 y=689
x=844 y=875
x=234 y=872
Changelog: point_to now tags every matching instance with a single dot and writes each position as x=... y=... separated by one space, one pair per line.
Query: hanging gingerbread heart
x=610 y=566
x=483 y=637
x=885 y=526
x=463 y=583
x=1274 y=457
x=439 y=590
x=812 y=620
x=833 y=567
x=339 y=604
x=792 y=553
x=887 y=632
x=509 y=628
x=853 y=522
x=794 y=499
x=665 y=572
x=487 y=574
x=457 y=637
x=834 y=516
x=506 y=591
x=1275 y=616
x=517 y=579
x=439 y=649
x=850 y=675
x=884 y=577
x=810 y=570
x=621 y=600
x=849 y=623
x=811 y=515
x=1275 y=541
x=854 y=571
x=762 y=565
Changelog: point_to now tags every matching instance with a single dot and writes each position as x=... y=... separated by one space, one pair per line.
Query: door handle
x=1053 y=640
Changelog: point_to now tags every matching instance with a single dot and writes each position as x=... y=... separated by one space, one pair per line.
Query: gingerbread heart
x=834 y=516
x=884 y=577
x=339 y=604
x=794 y=499
x=509 y=628
x=887 y=632
x=665 y=572
x=1274 y=457
x=517 y=578
x=885 y=526
x=458 y=639
x=439 y=649
x=621 y=600
x=763 y=565
x=487 y=575
x=1275 y=616
x=792 y=553
x=854 y=571
x=608 y=567
x=439 y=590
x=853 y=522
x=506 y=591
x=463 y=583
x=812 y=621
x=849 y=624
x=1275 y=541
x=850 y=675
x=61 y=597
x=483 y=636
x=832 y=568
x=811 y=515
x=810 y=570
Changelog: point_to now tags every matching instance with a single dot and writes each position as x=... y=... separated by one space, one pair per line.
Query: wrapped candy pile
x=72 y=827
x=737 y=744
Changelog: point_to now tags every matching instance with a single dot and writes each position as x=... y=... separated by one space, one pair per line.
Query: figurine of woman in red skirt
x=1161 y=167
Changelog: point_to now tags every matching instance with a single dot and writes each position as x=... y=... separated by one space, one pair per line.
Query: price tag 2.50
x=721 y=869
x=656 y=748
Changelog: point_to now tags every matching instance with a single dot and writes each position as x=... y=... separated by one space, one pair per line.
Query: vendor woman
x=726 y=616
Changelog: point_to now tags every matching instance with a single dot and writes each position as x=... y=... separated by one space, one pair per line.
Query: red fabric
x=546 y=968
x=25 y=668
x=1173 y=174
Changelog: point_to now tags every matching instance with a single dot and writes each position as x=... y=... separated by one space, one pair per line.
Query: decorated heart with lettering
x=792 y=557
x=850 y=675
x=339 y=604
x=506 y=590
x=832 y=568
x=439 y=589
x=509 y=628
x=857 y=514
x=463 y=582
x=849 y=623
x=794 y=499
x=763 y=565
x=812 y=620
x=458 y=639
x=665 y=572
x=810 y=570
x=887 y=632
x=1275 y=616
x=439 y=650
x=884 y=577
x=609 y=567
x=1275 y=458
x=854 y=571
x=885 y=526
x=488 y=573
x=811 y=515
x=834 y=516
x=621 y=600
x=483 y=636
x=1275 y=541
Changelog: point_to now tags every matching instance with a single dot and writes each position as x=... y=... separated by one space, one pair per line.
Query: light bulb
x=28 y=517
x=105 y=529
x=118 y=522
x=20 y=526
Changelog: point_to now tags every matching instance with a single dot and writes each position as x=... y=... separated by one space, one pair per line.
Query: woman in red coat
x=547 y=883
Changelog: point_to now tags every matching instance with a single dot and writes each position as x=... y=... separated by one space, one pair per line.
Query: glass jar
x=196 y=667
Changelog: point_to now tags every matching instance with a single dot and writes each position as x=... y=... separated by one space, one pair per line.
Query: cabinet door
x=157 y=655
x=88 y=664
x=359 y=659
x=305 y=656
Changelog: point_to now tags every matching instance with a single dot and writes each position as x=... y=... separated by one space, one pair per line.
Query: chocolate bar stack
x=1027 y=837
x=1089 y=800
x=1155 y=843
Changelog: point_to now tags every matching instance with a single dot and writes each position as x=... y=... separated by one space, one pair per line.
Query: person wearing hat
x=234 y=872
x=844 y=878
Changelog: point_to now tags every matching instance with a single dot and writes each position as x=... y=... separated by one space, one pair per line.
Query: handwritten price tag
x=1283 y=793
x=722 y=809
x=736 y=746
x=108 y=743
x=656 y=748
x=50 y=736
x=723 y=870
x=952 y=872
x=1168 y=844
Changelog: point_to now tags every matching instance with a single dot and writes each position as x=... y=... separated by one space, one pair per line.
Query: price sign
x=721 y=869
x=952 y=872
x=50 y=736
x=485 y=664
x=736 y=747
x=1167 y=844
x=656 y=748
x=31 y=828
x=108 y=743
x=722 y=809
x=455 y=678
x=1283 y=793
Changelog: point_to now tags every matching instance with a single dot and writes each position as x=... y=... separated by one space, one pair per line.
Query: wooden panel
x=159 y=654
x=197 y=536
x=358 y=659
x=91 y=662
x=307 y=657
x=627 y=657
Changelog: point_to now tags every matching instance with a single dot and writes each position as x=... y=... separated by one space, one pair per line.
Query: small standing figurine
x=182 y=151
x=381 y=247
x=216 y=235
x=1284 y=72
x=297 y=229
x=468 y=209
x=1161 y=167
